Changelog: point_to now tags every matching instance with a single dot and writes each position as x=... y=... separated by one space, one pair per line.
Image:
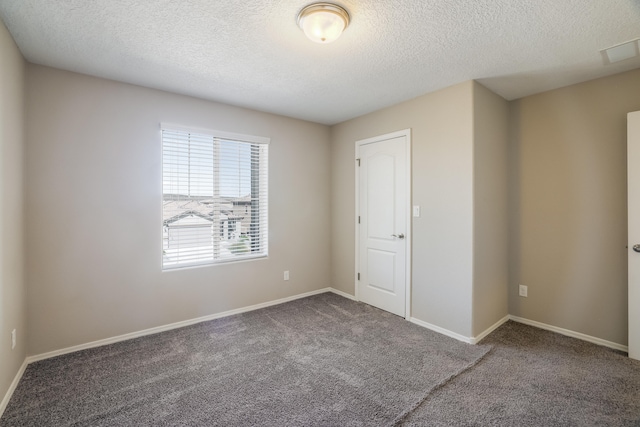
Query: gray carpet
x=323 y=360
x=538 y=378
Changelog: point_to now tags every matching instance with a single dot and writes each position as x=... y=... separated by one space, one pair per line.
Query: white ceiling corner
x=252 y=54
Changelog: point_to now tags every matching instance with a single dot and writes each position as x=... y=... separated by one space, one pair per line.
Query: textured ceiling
x=252 y=54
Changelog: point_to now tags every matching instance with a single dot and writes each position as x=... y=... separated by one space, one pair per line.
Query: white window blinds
x=214 y=197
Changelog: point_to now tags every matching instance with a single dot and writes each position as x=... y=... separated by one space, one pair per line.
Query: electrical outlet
x=286 y=275
x=523 y=290
x=13 y=339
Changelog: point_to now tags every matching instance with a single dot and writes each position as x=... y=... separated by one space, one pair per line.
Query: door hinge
x=358 y=219
x=358 y=276
x=358 y=160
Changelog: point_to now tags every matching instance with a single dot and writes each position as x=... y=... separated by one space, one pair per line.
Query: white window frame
x=263 y=200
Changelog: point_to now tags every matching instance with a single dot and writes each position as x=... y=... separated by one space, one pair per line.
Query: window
x=214 y=197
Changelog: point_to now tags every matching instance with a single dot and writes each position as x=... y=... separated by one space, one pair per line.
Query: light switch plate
x=416 y=211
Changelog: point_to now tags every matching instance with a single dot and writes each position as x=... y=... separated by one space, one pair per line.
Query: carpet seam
x=402 y=417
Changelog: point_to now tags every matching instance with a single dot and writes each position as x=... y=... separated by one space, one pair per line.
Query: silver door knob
x=636 y=248
x=401 y=236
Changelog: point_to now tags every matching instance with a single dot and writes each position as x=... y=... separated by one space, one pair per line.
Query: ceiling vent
x=620 y=52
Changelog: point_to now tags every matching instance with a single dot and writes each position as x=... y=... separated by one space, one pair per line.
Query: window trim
x=252 y=139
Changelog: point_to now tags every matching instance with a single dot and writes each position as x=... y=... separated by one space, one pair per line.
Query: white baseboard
x=440 y=330
x=476 y=340
x=171 y=326
x=570 y=333
x=12 y=387
x=343 y=294
x=432 y=327
x=540 y=325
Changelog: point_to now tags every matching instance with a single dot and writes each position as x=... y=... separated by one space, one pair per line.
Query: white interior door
x=383 y=224
x=633 y=203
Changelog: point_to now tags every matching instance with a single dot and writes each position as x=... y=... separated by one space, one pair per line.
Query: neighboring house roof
x=178 y=210
x=174 y=210
x=190 y=214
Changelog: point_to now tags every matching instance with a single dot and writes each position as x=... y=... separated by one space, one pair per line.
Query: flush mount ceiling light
x=323 y=22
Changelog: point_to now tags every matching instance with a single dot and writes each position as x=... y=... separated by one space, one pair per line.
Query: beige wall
x=568 y=206
x=93 y=191
x=490 y=218
x=442 y=134
x=12 y=288
x=93 y=211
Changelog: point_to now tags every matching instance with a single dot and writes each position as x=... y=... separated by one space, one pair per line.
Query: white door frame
x=633 y=238
x=407 y=134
